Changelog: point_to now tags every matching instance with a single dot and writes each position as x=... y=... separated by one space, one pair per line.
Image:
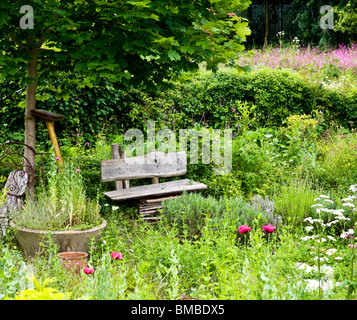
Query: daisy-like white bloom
x=330 y=252
x=322 y=240
x=328 y=200
x=347 y=204
x=338 y=258
x=332 y=222
x=317 y=199
x=353 y=187
x=344 y=235
x=308 y=238
x=309 y=228
x=331 y=238
x=323 y=196
x=317 y=205
x=321 y=258
x=342 y=217
x=309 y=219
x=349 y=198
x=350 y=231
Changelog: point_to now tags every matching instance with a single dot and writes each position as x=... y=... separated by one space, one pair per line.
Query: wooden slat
x=151 y=165
x=160 y=199
x=161 y=189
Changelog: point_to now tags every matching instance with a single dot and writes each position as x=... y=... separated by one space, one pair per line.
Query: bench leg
x=149 y=212
x=148 y=209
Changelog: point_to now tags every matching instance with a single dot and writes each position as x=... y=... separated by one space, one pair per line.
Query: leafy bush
x=64 y=204
x=189 y=213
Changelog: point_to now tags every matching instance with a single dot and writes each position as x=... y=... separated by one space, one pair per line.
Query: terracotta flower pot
x=70 y=240
x=76 y=261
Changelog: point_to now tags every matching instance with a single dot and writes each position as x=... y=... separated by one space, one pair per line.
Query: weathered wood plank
x=160 y=199
x=152 y=165
x=161 y=189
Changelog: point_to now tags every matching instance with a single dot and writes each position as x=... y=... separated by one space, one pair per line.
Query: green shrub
x=188 y=213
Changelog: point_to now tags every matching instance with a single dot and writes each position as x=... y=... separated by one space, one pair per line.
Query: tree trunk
x=30 y=120
x=266 y=36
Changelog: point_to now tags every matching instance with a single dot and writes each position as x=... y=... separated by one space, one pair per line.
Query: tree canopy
x=129 y=41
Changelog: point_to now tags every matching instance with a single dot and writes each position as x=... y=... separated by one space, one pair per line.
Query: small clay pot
x=76 y=261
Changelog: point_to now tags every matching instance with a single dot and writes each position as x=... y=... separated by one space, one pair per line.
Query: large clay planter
x=70 y=240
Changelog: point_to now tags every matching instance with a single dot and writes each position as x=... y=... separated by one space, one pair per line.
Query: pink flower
x=244 y=229
x=88 y=270
x=117 y=255
x=269 y=228
x=57 y=158
x=78 y=170
x=352 y=245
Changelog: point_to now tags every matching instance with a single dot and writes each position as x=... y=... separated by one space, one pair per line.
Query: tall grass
x=294 y=201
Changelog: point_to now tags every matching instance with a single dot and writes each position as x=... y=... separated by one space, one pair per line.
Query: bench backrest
x=151 y=165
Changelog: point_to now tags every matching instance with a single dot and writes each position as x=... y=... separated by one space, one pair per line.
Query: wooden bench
x=153 y=165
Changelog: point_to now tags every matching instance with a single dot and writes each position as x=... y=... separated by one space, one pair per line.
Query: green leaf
x=174 y=55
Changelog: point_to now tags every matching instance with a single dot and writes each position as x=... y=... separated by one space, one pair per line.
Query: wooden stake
x=52 y=134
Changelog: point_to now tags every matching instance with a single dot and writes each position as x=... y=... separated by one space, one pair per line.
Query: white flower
x=268 y=135
x=115 y=208
x=350 y=231
x=309 y=219
x=349 y=198
x=332 y=222
x=328 y=200
x=309 y=228
x=338 y=258
x=323 y=196
x=330 y=252
x=322 y=240
x=331 y=238
x=321 y=258
x=353 y=187
x=344 y=235
x=317 y=199
x=317 y=205
x=347 y=204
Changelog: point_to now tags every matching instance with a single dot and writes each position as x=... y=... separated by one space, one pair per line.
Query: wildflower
x=353 y=187
x=338 y=258
x=117 y=255
x=328 y=200
x=330 y=252
x=316 y=205
x=57 y=158
x=309 y=219
x=347 y=204
x=352 y=245
x=244 y=228
x=331 y=238
x=323 y=196
x=268 y=228
x=309 y=228
x=88 y=270
x=78 y=170
x=114 y=208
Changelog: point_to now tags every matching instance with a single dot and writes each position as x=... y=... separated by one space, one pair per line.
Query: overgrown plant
x=62 y=205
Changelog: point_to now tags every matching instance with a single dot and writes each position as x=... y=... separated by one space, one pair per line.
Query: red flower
x=244 y=229
x=269 y=228
x=117 y=255
x=88 y=270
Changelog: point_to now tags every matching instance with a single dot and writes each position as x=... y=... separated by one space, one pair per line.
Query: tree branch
x=19 y=43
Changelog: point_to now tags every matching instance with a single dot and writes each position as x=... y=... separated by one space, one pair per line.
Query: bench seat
x=155 y=190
